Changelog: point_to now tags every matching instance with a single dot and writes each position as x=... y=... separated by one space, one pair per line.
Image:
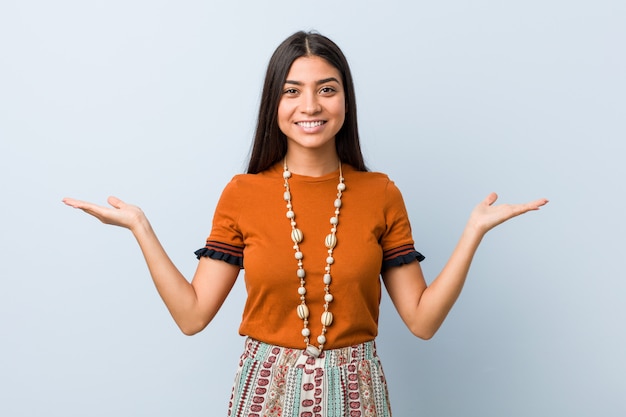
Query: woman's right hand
x=122 y=214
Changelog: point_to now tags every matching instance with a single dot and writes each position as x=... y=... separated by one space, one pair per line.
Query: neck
x=312 y=166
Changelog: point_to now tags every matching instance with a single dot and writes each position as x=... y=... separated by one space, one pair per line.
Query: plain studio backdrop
x=156 y=101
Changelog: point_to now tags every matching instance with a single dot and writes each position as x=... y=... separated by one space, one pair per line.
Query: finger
x=526 y=207
x=491 y=198
x=89 y=208
x=115 y=202
x=534 y=205
x=79 y=204
x=70 y=202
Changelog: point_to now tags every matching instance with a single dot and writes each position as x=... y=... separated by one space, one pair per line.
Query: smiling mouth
x=309 y=125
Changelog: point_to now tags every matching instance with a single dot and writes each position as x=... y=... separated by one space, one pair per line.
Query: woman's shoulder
x=374 y=185
x=371 y=178
x=253 y=182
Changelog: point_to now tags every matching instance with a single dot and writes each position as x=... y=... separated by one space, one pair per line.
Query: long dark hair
x=270 y=144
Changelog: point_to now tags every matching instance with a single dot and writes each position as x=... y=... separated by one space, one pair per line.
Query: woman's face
x=312 y=107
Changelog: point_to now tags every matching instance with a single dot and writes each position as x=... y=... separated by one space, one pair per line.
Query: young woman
x=314 y=232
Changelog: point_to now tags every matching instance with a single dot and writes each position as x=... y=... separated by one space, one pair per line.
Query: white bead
x=327 y=279
x=291 y=214
x=327 y=318
x=328 y=298
x=306 y=332
x=337 y=203
x=299 y=255
x=341 y=186
x=302 y=291
x=296 y=235
x=333 y=220
x=330 y=241
x=286 y=174
x=313 y=351
x=287 y=196
x=330 y=260
x=321 y=339
x=301 y=273
x=303 y=311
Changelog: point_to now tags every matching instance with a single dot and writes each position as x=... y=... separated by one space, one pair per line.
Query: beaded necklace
x=330 y=242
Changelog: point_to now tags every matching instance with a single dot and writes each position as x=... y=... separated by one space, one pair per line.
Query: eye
x=290 y=91
x=327 y=90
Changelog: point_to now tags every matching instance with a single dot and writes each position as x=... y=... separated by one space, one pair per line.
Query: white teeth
x=310 y=124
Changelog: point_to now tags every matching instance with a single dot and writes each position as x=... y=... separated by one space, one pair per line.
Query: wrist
x=140 y=226
x=474 y=232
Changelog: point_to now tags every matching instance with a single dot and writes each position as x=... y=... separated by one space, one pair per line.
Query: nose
x=311 y=104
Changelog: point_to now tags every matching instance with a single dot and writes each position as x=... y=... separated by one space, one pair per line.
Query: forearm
x=424 y=308
x=438 y=298
x=192 y=305
x=177 y=293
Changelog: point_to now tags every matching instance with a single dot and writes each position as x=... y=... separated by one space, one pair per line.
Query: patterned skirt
x=274 y=381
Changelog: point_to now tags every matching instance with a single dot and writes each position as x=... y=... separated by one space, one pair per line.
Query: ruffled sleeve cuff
x=401 y=256
x=222 y=252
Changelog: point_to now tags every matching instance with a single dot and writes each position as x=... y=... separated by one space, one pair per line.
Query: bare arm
x=192 y=305
x=424 y=308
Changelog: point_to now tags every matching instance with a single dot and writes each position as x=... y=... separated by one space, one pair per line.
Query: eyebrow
x=322 y=81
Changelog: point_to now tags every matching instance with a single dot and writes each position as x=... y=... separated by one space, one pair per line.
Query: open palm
x=486 y=215
x=120 y=214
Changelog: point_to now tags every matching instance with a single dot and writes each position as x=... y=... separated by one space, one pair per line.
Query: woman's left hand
x=486 y=216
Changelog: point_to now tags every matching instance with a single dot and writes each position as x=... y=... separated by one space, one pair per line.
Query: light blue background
x=155 y=102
